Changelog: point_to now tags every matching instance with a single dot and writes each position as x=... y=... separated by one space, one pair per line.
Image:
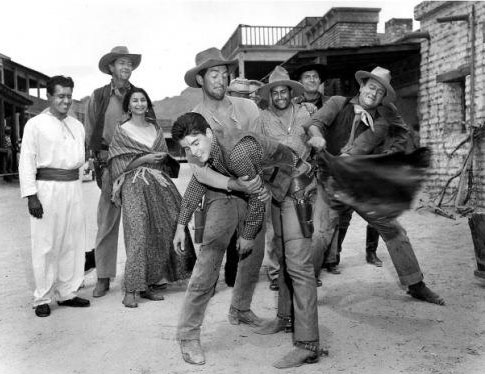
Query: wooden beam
x=456 y=75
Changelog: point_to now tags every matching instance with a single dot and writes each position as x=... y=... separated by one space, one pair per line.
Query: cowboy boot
x=192 y=352
x=248 y=317
x=297 y=357
x=421 y=292
x=371 y=243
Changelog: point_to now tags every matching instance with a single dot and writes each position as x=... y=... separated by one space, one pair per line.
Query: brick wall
x=345 y=27
x=396 y=28
x=348 y=35
x=444 y=107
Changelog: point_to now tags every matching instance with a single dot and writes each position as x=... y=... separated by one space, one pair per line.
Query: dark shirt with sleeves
x=336 y=127
x=244 y=159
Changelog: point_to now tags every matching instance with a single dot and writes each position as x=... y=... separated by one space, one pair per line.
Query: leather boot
x=372 y=259
x=192 y=352
x=237 y=316
x=297 y=357
x=341 y=236
x=102 y=287
x=421 y=292
x=130 y=300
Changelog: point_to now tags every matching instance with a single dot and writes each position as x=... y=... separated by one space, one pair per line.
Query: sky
x=69 y=37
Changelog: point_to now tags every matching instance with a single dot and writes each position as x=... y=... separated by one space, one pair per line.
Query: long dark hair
x=129 y=94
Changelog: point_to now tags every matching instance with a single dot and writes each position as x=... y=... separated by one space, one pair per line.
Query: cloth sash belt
x=59 y=175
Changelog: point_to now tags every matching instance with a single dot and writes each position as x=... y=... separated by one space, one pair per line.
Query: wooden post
x=240 y=58
x=477 y=228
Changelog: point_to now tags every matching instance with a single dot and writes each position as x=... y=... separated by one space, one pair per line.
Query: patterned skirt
x=150 y=212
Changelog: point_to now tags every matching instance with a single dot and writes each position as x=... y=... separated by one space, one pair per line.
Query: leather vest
x=101 y=98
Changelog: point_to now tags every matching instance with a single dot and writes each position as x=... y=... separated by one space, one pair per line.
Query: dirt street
x=367 y=321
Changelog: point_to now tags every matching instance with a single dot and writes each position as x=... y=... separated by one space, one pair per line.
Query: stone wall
x=444 y=93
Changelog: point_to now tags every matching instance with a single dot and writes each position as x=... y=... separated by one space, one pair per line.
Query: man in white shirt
x=52 y=153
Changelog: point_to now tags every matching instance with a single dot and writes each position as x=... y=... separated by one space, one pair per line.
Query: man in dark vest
x=104 y=111
x=357 y=126
x=236 y=153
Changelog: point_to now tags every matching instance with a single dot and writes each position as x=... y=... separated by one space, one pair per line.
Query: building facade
x=451 y=102
x=22 y=96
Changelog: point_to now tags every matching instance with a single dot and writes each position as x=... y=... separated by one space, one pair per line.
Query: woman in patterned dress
x=141 y=169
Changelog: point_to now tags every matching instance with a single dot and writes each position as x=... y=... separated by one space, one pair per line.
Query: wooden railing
x=261 y=36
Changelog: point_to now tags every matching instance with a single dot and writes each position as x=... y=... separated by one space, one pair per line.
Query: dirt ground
x=367 y=321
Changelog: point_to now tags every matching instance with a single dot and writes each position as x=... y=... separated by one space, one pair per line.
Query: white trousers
x=58 y=241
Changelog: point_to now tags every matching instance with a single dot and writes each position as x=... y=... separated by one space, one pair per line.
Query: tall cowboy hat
x=117 y=52
x=280 y=77
x=239 y=85
x=207 y=59
x=383 y=76
x=319 y=68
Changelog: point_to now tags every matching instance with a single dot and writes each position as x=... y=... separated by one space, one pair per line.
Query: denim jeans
x=393 y=234
x=270 y=256
x=297 y=288
x=324 y=244
x=324 y=241
x=225 y=214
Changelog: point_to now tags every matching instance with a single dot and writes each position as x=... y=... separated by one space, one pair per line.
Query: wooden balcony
x=281 y=37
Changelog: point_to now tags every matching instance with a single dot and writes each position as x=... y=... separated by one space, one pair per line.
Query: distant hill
x=172 y=107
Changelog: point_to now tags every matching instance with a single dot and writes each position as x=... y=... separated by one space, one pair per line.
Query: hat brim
x=109 y=58
x=319 y=68
x=390 y=93
x=245 y=92
x=296 y=88
x=190 y=75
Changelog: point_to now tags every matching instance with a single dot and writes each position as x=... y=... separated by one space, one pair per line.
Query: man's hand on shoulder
x=35 y=207
x=311 y=108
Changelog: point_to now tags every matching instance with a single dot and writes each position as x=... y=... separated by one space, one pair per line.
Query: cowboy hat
x=117 y=52
x=239 y=85
x=383 y=76
x=255 y=85
x=207 y=59
x=319 y=68
x=279 y=77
